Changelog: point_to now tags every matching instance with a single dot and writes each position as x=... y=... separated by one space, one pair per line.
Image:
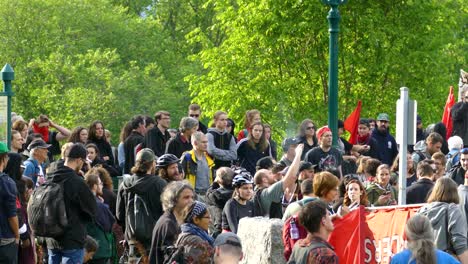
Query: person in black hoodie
x=133 y=143
x=216 y=197
x=80 y=207
x=148 y=187
x=97 y=136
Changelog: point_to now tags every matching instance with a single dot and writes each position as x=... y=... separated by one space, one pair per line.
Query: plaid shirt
x=323 y=255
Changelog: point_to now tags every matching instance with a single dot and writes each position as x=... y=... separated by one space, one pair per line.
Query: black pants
x=9 y=253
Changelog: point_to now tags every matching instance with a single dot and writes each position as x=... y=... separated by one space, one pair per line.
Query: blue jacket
x=8 y=194
x=387 y=149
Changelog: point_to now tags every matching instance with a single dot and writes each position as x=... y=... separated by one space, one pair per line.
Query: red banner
x=371 y=236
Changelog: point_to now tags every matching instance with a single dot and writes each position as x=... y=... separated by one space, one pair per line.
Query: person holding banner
x=381 y=192
x=447 y=219
x=420 y=247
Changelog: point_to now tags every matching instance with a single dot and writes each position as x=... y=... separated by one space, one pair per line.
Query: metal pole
x=334 y=28
x=403 y=140
x=8 y=75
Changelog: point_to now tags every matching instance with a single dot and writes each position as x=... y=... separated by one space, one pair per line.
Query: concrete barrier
x=261 y=240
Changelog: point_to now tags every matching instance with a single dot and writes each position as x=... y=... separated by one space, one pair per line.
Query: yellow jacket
x=189 y=163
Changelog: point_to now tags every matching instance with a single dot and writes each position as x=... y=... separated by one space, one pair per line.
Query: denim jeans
x=9 y=253
x=68 y=256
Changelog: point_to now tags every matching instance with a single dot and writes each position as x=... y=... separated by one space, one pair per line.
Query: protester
x=425 y=149
x=80 y=207
x=253 y=148
x=307 y=191
x=251 y=117
x=455 y=144
x=228 y=249
x=326 y=189
x=458 y=172
x=419 y=190
x=381 y=192
x=42 y=126
x=79 y=135
x=459 y=113
x=325 y=156
x=17 y=142
x=194 y=111
x=361 y=164
x=97 y=136
x=198 y=165
x=240 y=205
x=142 y=184
x=197 y=243
x=307 y=136
x=289 y=145
x=168 y=168
x=108 y=195
x=447 y=220
x=269 y=192
x=22 y=127
x=386 y=145
x=314 y=248
x=463 y=194
x=101 y=229
x=273 y=144
x=410 y=175
x=133 y=143
x=35 y=165
x=90 y=248
x=93 y=157
x=175 y=199
x=420 y=247
x=217 y=196
x=157 y=137
x=181 y=142
x=9 y=227
x=354 y=195
x=230 y=127
x=221 y=144
x=365 y=138
x=441 y=129
x=439 y=161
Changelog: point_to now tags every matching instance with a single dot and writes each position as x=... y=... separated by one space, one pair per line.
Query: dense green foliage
x=84 y=60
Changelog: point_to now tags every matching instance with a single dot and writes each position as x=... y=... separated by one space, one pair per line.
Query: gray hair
x=197 y=137
x=420 y=239
x=455 y=142
x=187 y=123
x=172 y=192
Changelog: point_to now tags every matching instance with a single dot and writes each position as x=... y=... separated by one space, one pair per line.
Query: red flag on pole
x=352 y=123
x=446 y=117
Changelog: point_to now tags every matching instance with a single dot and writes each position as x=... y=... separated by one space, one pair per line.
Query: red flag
x=352 y=123
x=446 y=117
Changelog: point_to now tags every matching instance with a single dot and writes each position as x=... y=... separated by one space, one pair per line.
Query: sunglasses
x=310 y=128
x=194 y=115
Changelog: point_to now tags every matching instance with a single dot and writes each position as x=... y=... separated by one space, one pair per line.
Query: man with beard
x=325 y=156
x=142 y=184
x=168 y=168
x=80 y=206
x=386 y=145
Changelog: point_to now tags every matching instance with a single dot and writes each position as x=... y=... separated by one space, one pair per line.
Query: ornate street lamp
x=334 y=27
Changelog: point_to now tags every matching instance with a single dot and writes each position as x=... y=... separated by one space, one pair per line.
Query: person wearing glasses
x=458 y=172
x=194 y=111
x=198 y=245
x=307 y=136
x=459 y=115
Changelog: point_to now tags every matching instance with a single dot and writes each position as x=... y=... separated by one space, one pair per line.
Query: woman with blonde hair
x=446 y=218
x=420 y=247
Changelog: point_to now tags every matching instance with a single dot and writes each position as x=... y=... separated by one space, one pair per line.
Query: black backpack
x=46 y=210
x=140 y=221
x=258 y=208
x=174 y=254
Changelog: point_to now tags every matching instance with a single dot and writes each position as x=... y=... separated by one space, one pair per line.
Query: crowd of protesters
x=184 y=191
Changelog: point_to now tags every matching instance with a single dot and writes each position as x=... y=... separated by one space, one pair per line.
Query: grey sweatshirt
x=451 y=236
x=221 y=154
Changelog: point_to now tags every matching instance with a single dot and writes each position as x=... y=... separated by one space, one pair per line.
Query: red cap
x=322 y=130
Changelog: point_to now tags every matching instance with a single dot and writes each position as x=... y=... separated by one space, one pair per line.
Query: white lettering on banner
x=384 y=248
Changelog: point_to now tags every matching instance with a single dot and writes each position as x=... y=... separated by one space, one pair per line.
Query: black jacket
x=216 y=198
x=177 y=146
x=202 y=127
x=148 y=187
x=156 y=140
x=459 y=114
x=80 y=206
x=131 y=146
x=457 y=174
x=105 y=149
x=419 y=191
x=165 y=234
